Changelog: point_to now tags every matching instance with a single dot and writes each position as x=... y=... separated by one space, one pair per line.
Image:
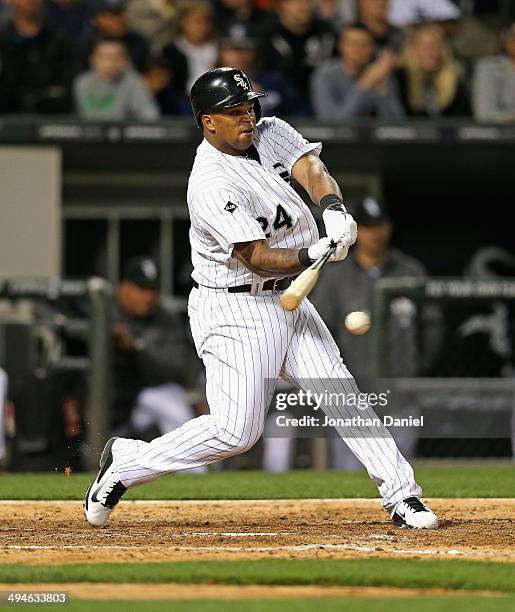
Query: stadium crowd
x=328 y=59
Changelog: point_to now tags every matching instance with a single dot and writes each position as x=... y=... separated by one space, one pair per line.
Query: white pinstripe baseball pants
x=247 y=342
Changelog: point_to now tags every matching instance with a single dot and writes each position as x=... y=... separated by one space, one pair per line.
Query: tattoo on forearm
x=277 y=261
x=266 y=261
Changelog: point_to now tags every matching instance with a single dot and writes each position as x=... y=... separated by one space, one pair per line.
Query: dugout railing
x=41 y=353
x=447 y=346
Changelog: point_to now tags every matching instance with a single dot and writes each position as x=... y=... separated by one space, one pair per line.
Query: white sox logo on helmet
x=241 y=81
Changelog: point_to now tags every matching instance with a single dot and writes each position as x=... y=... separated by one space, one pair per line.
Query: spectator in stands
x=240 y=18
x=430 y=80
x=35 y=63
x=109 y=21
x=195 y=50
x=370 y=259
x=112 y=90
x=403 y=13
x=356 y=84
x=159 y=79
x=69 y=16
x=154 y=20
x=373 y=15
x=471 y=38
x=296 y=43
x=151 y=358
x=494 y=83
x=334 y=11
x=6 y=12
x=281 y=97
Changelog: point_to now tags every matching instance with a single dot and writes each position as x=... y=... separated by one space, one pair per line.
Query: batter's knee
x=238 y=441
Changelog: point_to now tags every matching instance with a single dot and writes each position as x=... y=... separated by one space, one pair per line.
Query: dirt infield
x=55 y=532
x=86 y=590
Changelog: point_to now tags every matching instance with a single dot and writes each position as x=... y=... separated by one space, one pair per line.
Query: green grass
x=456 y=481
x=361 y=604
x=425 y=573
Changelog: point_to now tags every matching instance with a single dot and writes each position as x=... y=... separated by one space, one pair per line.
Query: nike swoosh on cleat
x=94 y=497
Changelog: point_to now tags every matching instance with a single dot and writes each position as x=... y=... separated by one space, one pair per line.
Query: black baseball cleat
x=412 y=513
x=105 y=491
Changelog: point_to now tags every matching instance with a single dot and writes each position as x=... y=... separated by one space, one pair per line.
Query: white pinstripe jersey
x=235 y=199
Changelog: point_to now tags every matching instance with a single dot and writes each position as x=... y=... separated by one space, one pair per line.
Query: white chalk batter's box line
x=331 y=500
x=261 y=549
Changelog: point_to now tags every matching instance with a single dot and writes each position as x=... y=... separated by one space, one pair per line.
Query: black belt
x=272 y=284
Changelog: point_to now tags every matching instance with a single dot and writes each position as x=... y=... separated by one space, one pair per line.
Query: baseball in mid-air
x=357 y=322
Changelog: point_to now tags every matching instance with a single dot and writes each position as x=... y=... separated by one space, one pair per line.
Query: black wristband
x=332 y=200
x=304 y=258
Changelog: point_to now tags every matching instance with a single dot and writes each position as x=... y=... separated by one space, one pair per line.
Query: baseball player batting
x=250 y=234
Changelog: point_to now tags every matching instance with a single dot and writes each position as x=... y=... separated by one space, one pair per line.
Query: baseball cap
x=370 y=212
x=143 y=272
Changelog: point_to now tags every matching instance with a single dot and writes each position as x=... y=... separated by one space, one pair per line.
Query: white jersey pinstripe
x=247 y=340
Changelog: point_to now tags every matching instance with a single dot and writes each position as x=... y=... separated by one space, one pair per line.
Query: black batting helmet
x=222 y=88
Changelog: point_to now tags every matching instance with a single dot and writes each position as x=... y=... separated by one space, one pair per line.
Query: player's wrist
x=304 y=258
x=333 y=202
